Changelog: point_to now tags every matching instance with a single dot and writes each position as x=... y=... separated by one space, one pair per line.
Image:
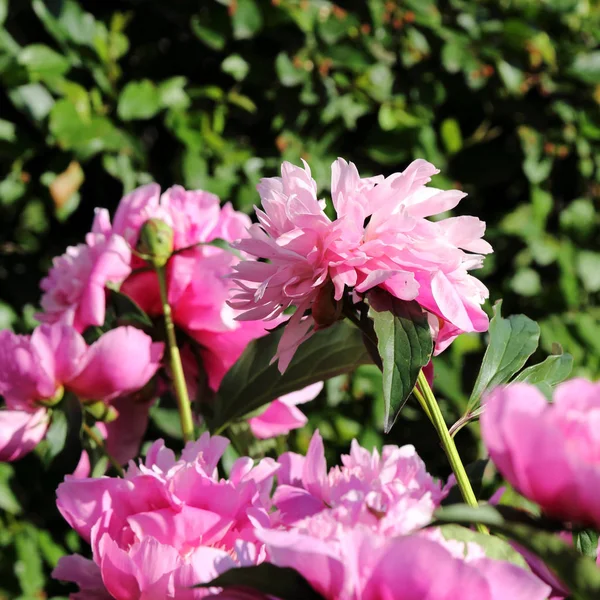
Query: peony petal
x=21 y=432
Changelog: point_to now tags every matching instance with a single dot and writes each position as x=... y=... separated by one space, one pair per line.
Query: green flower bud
x=58 y=396
x=101 y=411
x=156 y=242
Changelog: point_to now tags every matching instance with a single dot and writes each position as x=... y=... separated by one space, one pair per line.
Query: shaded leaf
x=405 y=346
x=578 y=572
x=282 y=582
x=253 y=380
x=126 y=311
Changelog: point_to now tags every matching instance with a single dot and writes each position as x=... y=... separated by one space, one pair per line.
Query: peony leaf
x=405 y=346
x=550 y=372
x=577 y=571
x=254 y=380
x=493 y=546
x=586 y=541
x=512 y=342
x=61 y=448
x=282 y=582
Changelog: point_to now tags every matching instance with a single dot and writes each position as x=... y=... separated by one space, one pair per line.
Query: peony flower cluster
x=351 y=532
x=168 y=525
x=36 y=371
x=381 y=238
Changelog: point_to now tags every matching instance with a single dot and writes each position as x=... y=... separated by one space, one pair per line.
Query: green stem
x=181 y=393
x=100 y=443
x=432 y=408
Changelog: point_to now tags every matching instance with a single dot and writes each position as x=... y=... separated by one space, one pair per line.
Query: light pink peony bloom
x=362 y=565
x=391 y=493
x=37 y=369
x=282 y=415
x=177 y=511
x=381 y=238
x=548 y=452
x=75 y=288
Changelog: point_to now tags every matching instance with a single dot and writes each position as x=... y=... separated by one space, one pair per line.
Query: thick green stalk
x=432 y=409
x=181 y=393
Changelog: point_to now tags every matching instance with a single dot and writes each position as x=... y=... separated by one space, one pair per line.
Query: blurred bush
x=502 y=95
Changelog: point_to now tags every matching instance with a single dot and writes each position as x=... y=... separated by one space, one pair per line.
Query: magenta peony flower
x=548 y=451
x=75 y=288
x=359 y=564
x=381 y=238
x=391 y=492
x=36 y=370
x=169 y=523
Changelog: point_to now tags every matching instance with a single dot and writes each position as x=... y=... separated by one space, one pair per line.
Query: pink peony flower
x=198 y=282
x=391 y=492
x=169 y=523
x=146 y=570
x=381 y=238
x=75 y=288
x=361 y=565
x=549 y=452
x=197 y=276
x=36 y=370
x=282 y=415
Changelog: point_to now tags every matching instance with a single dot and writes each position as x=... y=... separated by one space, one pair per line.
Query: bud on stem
x=156 y=242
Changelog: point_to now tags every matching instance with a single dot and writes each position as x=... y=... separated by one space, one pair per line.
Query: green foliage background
x=99 y=96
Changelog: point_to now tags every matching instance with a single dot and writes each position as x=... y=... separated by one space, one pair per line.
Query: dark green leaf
x=61 y=448
x=253 y=380
x=405 y=346
x=126 y=311
x=56 y=436
x=281 y=582
x=512 y=342
x=586 y=541
x=578 y=572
